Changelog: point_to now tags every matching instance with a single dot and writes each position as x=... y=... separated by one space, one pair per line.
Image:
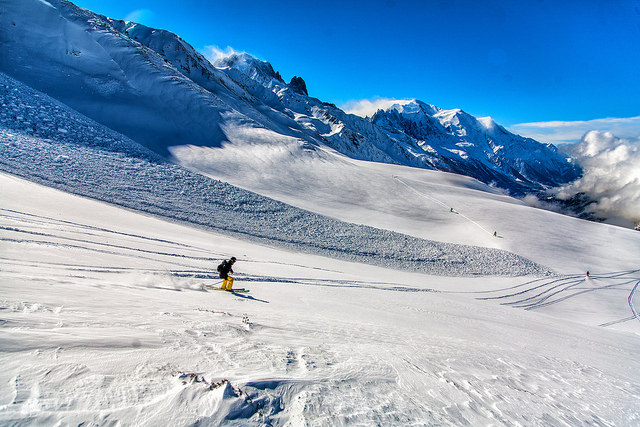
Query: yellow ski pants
x=227 y=283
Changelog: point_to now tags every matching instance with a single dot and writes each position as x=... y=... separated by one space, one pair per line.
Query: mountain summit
x=152 y=86
x=456 y=141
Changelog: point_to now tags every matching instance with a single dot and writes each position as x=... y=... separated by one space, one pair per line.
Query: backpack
x=221 y=266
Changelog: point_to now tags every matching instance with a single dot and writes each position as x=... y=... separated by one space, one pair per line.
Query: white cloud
x=368 y=107
x=561 y=132
x=214 y=53
x=611 y=175
x=140 y=16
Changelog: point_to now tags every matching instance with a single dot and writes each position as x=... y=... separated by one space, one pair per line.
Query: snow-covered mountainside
x=414 y=133
x=46 y=142
x=481 y=148
x=83 y=60
x=380 y=294
x=111 y=315
x=155 y=88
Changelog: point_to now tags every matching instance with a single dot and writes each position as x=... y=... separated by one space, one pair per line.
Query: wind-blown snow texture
x=46 y=142
x=155 y=88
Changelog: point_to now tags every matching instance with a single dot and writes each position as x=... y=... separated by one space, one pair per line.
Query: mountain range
x=154 y=87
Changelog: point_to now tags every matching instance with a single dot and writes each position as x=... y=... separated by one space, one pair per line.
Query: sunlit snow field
x=106 y=317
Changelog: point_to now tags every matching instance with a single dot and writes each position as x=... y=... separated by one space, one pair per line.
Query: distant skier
x=225 y=268
x=495 y=234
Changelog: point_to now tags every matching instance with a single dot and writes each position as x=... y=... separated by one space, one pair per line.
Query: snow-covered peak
x=454 y=117
x=460 y=142
x=413 y=107
x=249 y=65
x=403 y=105
x=240 y=60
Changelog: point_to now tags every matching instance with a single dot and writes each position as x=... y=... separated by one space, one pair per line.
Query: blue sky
x=550 y=69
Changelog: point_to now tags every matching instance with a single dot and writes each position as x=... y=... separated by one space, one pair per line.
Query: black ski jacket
x=225 y=269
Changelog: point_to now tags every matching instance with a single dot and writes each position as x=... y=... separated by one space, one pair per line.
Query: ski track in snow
x=439 y=202
x=630 y=300
x=541 y=293
x=232 y=363
x=530 y=295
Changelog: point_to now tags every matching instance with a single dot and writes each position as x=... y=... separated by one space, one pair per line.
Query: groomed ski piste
x=362 y=311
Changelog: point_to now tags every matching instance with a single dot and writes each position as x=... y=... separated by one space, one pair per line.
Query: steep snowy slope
x=46 y=142
x=81 y=59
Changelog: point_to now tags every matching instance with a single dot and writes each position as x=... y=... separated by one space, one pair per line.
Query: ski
x=239 y=290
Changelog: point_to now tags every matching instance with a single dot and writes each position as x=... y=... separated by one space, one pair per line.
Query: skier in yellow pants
x=225 y=268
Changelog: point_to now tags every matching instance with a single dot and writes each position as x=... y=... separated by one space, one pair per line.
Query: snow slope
x=413 y=201
x=79 y=58
x=105 y=320
x=85 y=158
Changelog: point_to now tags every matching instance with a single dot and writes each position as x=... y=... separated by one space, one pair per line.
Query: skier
x=224 y=269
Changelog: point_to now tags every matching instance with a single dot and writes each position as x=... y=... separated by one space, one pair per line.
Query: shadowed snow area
x=87 y=159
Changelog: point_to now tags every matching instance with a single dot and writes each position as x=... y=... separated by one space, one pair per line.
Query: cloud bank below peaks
x=611 y=176
x=562 y=132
